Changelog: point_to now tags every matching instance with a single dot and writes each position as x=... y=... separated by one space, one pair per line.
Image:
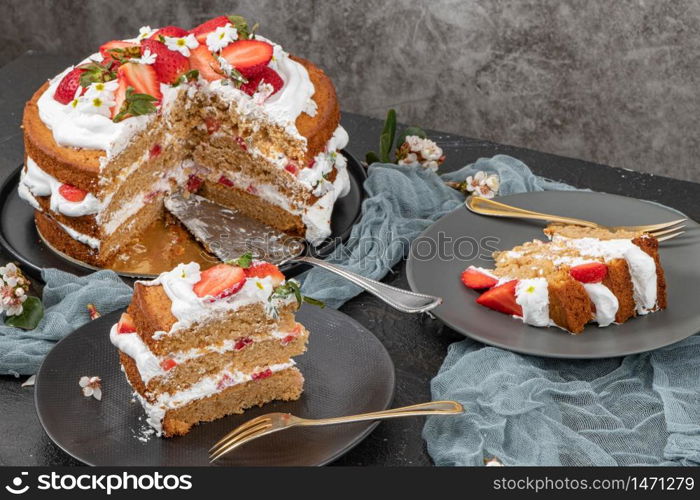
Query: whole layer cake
x=196 y=346
x=581 y=275
x=216 y=110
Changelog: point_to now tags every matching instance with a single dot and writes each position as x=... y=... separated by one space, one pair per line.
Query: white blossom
x=92 y=386
x=182 y=44
x=483 y=184
x=221 y=37
x=147 y=57
x=145 y=32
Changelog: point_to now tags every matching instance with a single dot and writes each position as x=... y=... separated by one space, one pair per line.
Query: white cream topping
x=606 y=304
x=641 y=265
x=533 y=296
x=82 y=238
x=205 y=387
x=40 y=183
x=189 y=309
x=317 y=217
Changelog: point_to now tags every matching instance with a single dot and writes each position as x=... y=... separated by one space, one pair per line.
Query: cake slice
x=198 y=345
x=580 y=275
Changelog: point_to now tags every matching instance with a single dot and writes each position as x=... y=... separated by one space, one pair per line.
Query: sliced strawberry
x=118 y=49
x=502 y=298
x=65 y=92
x=265 y=269
x=292 y=168
x=242 y=343
x=212 y=124
x=225 y=181
x=267 y=75
x=249 y=57
x=126 y=324
x=171 y=31
x=203 y=61
x=170 y=65
x=289 y=338
x=201 y=31
x=591 y=272
x=476 y=280
x=225 y=381
x=261 y=375
x=155 y=151
x=72 y=193
x=194 y=183
x=119 y=96
x=168 y=364
x=241 y=142
x=220 y=281
x=142 y=77
x=251 y=189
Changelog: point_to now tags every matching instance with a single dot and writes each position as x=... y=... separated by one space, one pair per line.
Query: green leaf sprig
x=243 y=261
x=135 y=104
x=291 y=287
x=388 y=142
x=95 y=73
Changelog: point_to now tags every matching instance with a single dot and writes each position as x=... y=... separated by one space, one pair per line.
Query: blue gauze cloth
x=525 y=410
x=65 y=298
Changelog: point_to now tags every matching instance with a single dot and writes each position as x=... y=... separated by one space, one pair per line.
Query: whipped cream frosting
x=40 y=183
x=533 y=296
x=189 y=309
x=605 y=302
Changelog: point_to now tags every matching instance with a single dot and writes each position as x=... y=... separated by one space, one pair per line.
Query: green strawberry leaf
x=95 y=73
x=135 y=104
x=33 y=312
x=386 y=140
x=243 y=261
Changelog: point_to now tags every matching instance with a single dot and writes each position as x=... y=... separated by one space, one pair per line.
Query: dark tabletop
x=417 y=343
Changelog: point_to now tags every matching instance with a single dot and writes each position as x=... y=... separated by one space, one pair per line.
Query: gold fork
x=274 y=422
x=484 y=206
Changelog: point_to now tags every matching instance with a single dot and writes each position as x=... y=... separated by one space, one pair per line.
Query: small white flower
x=410 y=159
x=92 y=386
x=99 y=89
x=145 y=32
x=11 y=280
x=182 y=44
x=482 y=184
x=99 y=104
x=414 y=142
x=221 y=37
x=147 y=57
x=225 y=65
x=19 y=292
x=14 y=310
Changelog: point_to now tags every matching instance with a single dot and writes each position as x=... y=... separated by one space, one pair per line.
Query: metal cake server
x=228 y=234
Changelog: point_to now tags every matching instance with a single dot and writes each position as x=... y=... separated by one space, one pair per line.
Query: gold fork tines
x=274 y=422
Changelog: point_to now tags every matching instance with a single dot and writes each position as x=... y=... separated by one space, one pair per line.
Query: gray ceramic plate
x=462 y=238
x=347 y=371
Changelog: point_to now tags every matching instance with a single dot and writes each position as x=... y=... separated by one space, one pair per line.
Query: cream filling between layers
x=189 y=309
x=205 y=387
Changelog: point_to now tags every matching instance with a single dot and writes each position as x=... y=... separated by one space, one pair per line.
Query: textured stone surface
x=612 y=82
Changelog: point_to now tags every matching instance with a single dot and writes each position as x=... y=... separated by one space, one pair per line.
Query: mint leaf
x=243 y=261
x=33 y=312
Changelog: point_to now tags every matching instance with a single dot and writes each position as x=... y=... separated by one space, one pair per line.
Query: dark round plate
x=18 y=234
x=436 y=272
x=347 y=371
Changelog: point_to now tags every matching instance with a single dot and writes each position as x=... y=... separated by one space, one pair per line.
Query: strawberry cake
x=580 y=275
x=217 y=110
x=198 y=345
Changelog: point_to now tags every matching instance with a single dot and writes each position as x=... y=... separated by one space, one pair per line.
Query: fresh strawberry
x=220 y=281
x=155 y=151
x=289 y=338
x=225 y=181
x=241 y=142
x=117 y=50
x=65 y=92
x=476 y=280
x=171 y=31
x=72 y=193
x=249 y=57
x=170 y=65
x=591 y=272
x=263 y=270
x=119 y=96
x=267 y=75
x=292 y=168
x=201 y=31
x=168 y=364
x=261 y=375
x=203 y=61
x=502 y=298
x=142 y=77
x=194 y=183
x=126 y=324
x=212 y=124
x=242 y=343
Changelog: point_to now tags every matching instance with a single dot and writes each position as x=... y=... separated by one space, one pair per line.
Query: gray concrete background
x=609 y=81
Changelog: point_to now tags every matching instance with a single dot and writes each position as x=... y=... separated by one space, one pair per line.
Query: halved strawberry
x=220 y=281
x=72 y=193
x=65 y=92
x=118 y=49
x=126 y=324
x=292 y=168
x=194 y=182
x=169 y=64
x=502 y=298
x=477 y=280
x=591 y=272
x=242 y=343
x=225 y=181
x=168 y=364
x=261 y=375
x=267 y=75
x=171 y=31
x=201 y=31
x=265 y=269
x=203 y=61
x=142 y=77
x=249 y=57
x=212 y=124
x=119 y=96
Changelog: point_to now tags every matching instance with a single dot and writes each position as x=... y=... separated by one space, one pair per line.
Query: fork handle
x=485 y=206
x=431 y=408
